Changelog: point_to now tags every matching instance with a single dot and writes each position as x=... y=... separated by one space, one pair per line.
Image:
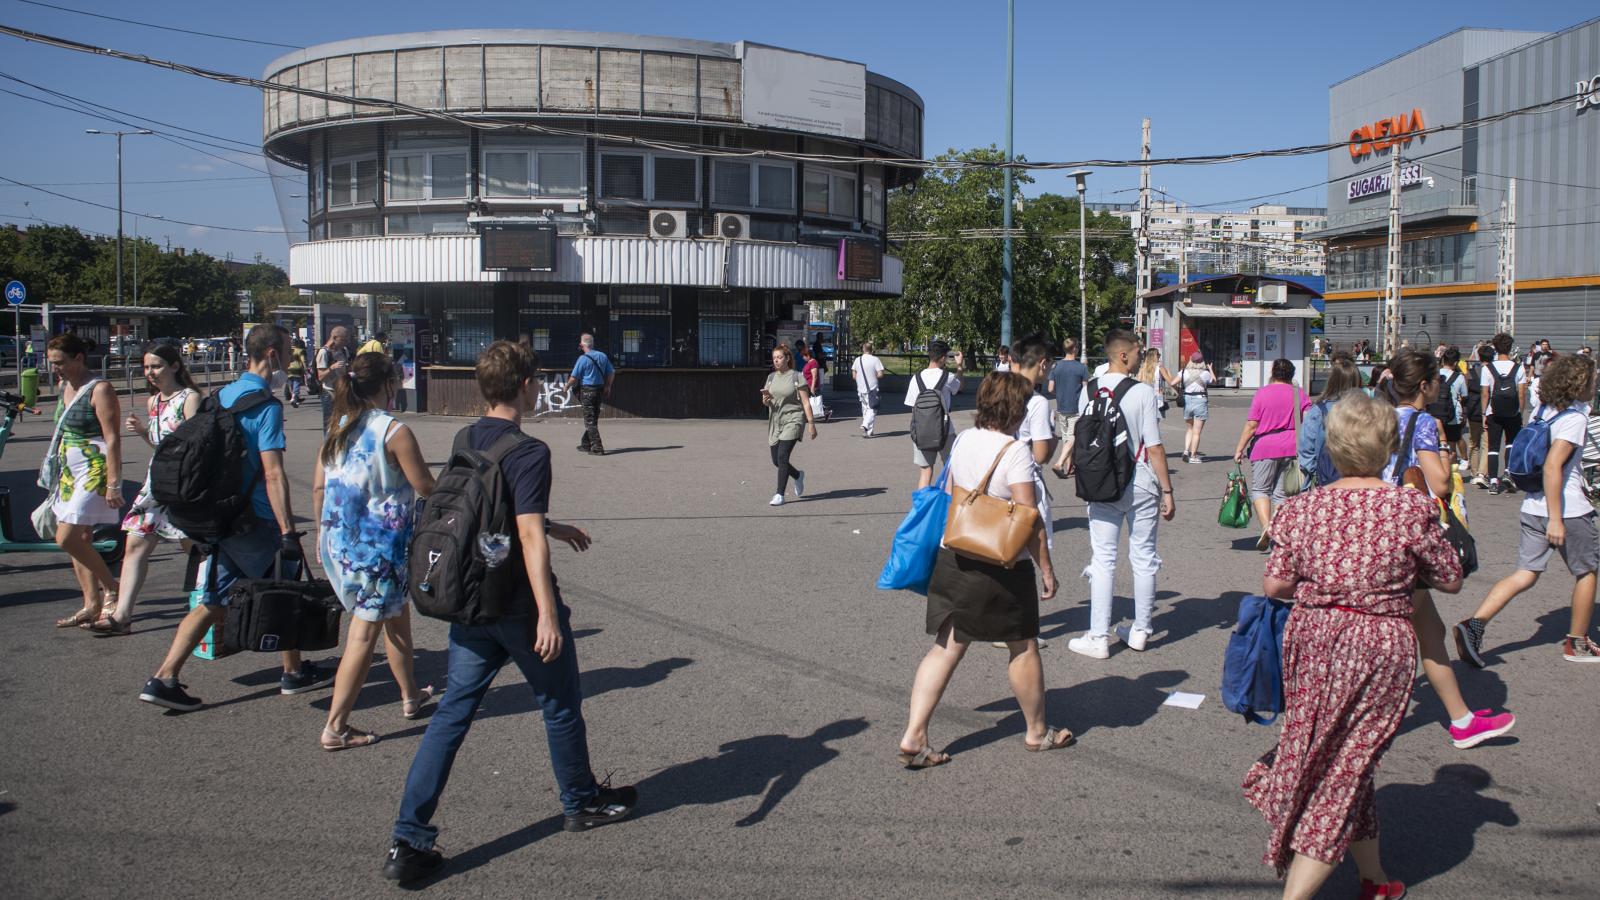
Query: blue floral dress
x=366 y=524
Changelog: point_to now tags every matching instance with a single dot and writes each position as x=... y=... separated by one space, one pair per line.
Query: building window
x=641 y=327
x=742 y=185
x=468 y=332
x=872 y=201
x=423 y=175
x=724 y=329
x=427 y=223
x=552 y=322
x=343 y=228
x=318 y=188
x=829 y=193
x=1445 y=259
x=527 y=172
x=352 y=182
x=649 y=177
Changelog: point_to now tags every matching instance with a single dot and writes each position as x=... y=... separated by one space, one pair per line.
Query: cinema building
x=536 y=185
x=1454 y=182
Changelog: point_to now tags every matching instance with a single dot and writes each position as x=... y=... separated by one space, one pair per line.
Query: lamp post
x=119 y=136
x=1005 y=262
x=136 y=254
x=1082 y=177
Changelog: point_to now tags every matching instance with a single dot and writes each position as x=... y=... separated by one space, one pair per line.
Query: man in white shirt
x=929 y=379
x=1031 y=359
x=1146 y=497
x=1557 y=519
x=1502 y=413
x=866 y=371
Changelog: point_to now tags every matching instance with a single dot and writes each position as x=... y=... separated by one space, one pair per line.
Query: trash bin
x=30 y=386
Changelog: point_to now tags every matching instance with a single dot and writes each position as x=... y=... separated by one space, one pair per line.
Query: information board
x=517 y=248
x=801 y=92
x=861 y=260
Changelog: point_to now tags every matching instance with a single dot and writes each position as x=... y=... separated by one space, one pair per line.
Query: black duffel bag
x=269 y=615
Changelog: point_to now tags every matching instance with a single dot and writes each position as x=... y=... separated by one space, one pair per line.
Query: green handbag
x=1235 y=511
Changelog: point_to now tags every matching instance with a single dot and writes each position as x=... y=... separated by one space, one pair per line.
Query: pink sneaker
x=1482 y=728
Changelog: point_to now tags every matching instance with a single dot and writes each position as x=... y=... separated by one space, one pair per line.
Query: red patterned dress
x=1349 y=658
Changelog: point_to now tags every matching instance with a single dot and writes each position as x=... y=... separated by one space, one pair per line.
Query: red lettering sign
x=1385 y=133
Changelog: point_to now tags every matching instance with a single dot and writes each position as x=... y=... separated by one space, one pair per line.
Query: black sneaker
x=597 y=451
x=1495 y=487
x=406 y=863
x=1469 y=643
x=610 y=805
x=1510 y=486
x=156 y=691
x=308 y=678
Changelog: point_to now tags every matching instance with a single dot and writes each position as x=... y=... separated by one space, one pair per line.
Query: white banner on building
x=801 y=92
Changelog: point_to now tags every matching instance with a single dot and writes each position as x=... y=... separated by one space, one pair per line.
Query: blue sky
x=1212 y=77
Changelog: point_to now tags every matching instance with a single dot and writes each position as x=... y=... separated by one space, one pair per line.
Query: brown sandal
x=1054 y=739
x=107 y=626
x=926 y=758
x=83 y=616
x=349 y=740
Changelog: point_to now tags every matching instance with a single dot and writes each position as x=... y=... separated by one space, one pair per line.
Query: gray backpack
x=930 y=426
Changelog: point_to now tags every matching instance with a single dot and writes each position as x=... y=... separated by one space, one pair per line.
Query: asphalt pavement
x=740 y=667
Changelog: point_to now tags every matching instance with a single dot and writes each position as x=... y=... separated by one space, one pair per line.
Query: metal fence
x=126 y=374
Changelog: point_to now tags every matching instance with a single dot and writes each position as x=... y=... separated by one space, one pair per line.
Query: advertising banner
x=801 y=92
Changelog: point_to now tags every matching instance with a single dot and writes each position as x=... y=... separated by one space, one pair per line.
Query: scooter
x=109 y=540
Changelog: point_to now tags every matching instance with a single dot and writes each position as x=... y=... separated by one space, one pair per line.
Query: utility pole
x=119 y=135
x=1391 y=293
x=1183 y=255
x=1005 y=262
x=1082 y=177
x=1144 y=234
x=1505 y=294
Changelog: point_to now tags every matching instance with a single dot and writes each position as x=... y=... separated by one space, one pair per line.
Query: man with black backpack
x=929 y=395
x=1472 y=410
x=1504 y=388
x=1447 y=407
x=1120 y=468
x=480 y=558
x=249 y=522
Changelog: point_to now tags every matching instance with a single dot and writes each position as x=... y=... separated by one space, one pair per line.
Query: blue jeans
x=477 y=652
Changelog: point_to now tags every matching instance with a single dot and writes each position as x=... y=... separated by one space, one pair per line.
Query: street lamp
x=1005 y=263
x=1082 y=177
x=119 y=135
x=136 y=219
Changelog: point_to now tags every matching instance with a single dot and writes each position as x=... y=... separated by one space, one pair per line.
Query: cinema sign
x=1385 y=133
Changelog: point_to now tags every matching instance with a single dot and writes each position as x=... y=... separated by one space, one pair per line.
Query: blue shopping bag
x=916 y=541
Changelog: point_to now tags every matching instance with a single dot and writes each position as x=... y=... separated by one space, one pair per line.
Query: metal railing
x=126 y=374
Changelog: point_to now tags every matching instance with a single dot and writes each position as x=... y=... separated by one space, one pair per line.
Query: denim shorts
x=1196 y=406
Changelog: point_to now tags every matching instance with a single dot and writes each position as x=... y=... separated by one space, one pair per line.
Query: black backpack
x=1444 y=407
x=197 y=472
x=1100 y=453
x=1503 y=400
x=1472 y=407
x=930 y=424
x=450 y=578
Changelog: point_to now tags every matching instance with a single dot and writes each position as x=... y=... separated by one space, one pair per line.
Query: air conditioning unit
x=733 y=226
x=1273 y=295
x=668 y=223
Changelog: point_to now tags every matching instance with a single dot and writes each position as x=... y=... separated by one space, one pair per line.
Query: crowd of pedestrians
x=1348 y=489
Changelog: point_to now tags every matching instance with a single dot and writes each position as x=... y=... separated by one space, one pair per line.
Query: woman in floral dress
x=1348 y=555
x=83 y=471
x=371 y=471
x=174 y=398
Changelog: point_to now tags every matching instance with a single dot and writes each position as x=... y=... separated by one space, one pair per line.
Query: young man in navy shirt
x=250 y=554
x=592 y=376
x=540 y=644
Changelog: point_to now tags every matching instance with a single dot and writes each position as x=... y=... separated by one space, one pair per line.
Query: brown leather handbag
x=987 y=528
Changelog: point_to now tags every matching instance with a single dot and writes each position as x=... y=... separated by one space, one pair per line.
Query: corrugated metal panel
x=453 y=258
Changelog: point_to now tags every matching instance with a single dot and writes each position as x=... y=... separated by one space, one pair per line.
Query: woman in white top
x=971 y=600
x=1195 y=383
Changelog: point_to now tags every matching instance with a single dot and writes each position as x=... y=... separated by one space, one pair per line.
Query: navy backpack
x=1252 y=671
x=1526 y=456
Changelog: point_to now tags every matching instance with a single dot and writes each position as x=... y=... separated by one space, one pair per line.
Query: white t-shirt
x=1195 y=381
x=927 y=378
x=1036 y=423
x=1099 y=371
x=1141 y=411
x=1504 y=367
x=866 y=369
x=1002 y=366
x=1533 y=394
x=976 y=449
x=1572 y=429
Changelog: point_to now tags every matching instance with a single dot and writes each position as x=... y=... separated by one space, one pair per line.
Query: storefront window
x=641 y=328
x=468 y=332
x=724 y=329
x=551 y=322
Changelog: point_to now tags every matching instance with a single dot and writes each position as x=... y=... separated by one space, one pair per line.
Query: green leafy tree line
x=952 y=283
x=61 y=264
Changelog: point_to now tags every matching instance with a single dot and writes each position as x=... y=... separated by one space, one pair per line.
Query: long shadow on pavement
x=1172 y=622
x=847 y=494
x=1114 y=701
x=1429 y=829
x=1553 y=627
x=622 y=450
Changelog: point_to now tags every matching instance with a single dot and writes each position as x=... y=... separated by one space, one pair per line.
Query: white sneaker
x=1094 y=646
x=777 y=500
x=800 y=484
x=1135 y=638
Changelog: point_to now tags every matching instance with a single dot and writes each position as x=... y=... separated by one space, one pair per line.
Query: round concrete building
x=535 y=185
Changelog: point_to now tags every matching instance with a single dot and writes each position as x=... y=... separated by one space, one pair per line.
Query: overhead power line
x=221 y=37
x=144 y=215
x=501 y=124
x=247 y=145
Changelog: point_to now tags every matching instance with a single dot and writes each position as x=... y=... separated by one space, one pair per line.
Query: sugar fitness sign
x=1385 y=133
x=1379 y=184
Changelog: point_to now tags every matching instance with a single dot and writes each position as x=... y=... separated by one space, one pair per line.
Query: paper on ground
x=1185 y=700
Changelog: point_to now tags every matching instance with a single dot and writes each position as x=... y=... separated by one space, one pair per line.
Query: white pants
x=1141 y=510
x=869 y=409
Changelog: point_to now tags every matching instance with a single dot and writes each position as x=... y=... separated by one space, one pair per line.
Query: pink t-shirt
x=1273 y=412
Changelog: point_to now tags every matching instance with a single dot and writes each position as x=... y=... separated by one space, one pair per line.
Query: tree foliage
x=953 y=283
x=60 y=264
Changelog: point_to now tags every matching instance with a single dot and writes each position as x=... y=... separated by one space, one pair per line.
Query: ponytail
x=353 y=397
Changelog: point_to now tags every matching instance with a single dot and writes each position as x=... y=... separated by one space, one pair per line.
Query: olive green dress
x=786 y=418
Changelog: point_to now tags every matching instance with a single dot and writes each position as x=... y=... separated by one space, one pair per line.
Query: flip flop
x=1054 y=739
x=926 y=758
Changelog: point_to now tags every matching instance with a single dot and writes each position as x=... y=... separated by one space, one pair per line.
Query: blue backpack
x=1525 y=459
x=1252 y=670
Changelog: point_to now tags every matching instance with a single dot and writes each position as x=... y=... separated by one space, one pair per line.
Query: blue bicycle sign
x=15 y=293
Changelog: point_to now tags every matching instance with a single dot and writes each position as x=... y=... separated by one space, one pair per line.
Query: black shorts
x=1452 y=432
